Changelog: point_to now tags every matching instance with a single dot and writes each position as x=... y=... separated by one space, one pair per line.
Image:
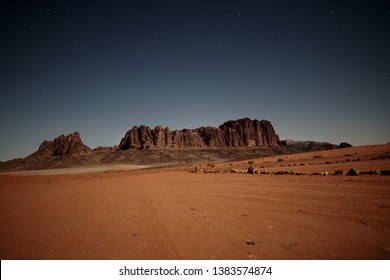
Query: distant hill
x=313 y=145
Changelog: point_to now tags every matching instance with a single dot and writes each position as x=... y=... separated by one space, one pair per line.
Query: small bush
x=251 y=162
x=317 y=156
x=280 y=159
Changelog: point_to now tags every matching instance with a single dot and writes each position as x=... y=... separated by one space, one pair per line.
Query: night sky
x=318 y=70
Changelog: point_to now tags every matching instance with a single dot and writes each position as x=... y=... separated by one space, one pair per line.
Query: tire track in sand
x=155 y=240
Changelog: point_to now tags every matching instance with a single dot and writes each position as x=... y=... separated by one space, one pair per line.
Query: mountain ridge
x=235 y=133
x=234 y=139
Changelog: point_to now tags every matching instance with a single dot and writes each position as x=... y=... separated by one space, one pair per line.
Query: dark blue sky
x=318 y=70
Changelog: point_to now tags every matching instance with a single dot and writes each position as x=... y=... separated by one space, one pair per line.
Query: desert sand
x=175 y=213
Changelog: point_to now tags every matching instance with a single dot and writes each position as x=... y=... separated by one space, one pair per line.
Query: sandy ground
x=175 y=214
x=77 y=170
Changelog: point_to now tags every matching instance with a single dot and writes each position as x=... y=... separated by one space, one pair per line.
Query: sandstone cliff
x=237 y=133
x=63 y=145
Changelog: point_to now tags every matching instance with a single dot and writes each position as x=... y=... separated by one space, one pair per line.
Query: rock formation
x=308 y=145
x=344 y=145
x=238 y=133
x=63 y=145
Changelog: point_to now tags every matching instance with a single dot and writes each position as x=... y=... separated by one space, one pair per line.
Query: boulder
x=353 y=172
x=339 y=172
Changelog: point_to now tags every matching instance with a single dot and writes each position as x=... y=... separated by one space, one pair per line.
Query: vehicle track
x=156 y=242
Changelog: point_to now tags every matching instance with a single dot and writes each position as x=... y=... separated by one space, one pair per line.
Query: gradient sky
x=318 y=70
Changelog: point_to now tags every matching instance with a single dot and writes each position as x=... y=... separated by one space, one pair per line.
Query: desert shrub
x=211 y=165
x=317 y=156
x=302 y=164
x=348 y=155
x=251 y=162
x=280 y=159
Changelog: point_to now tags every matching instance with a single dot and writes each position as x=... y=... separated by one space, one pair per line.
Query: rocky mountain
x=233 y=140
x=70 y=145
x=313 y=145
x=238 y=133
x=63 y=151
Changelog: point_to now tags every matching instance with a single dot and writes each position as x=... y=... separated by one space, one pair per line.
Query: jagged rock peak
x=236 y=133
x=70 y=144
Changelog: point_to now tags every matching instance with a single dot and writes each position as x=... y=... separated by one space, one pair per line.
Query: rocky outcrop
x=344 y=145
x=238 y=133
x=320 y=146
x=308 y=145
x=70 y=144
x=246 y=132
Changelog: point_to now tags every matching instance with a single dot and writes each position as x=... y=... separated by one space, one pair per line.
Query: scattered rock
x=353 y=172
x=371 y=172
x=339 y=172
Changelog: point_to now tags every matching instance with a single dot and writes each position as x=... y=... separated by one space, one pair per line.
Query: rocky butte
x=237 y=133
x=68 y=145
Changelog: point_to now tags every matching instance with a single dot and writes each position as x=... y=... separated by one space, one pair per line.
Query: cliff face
x=62 y=145
x=238 y=133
